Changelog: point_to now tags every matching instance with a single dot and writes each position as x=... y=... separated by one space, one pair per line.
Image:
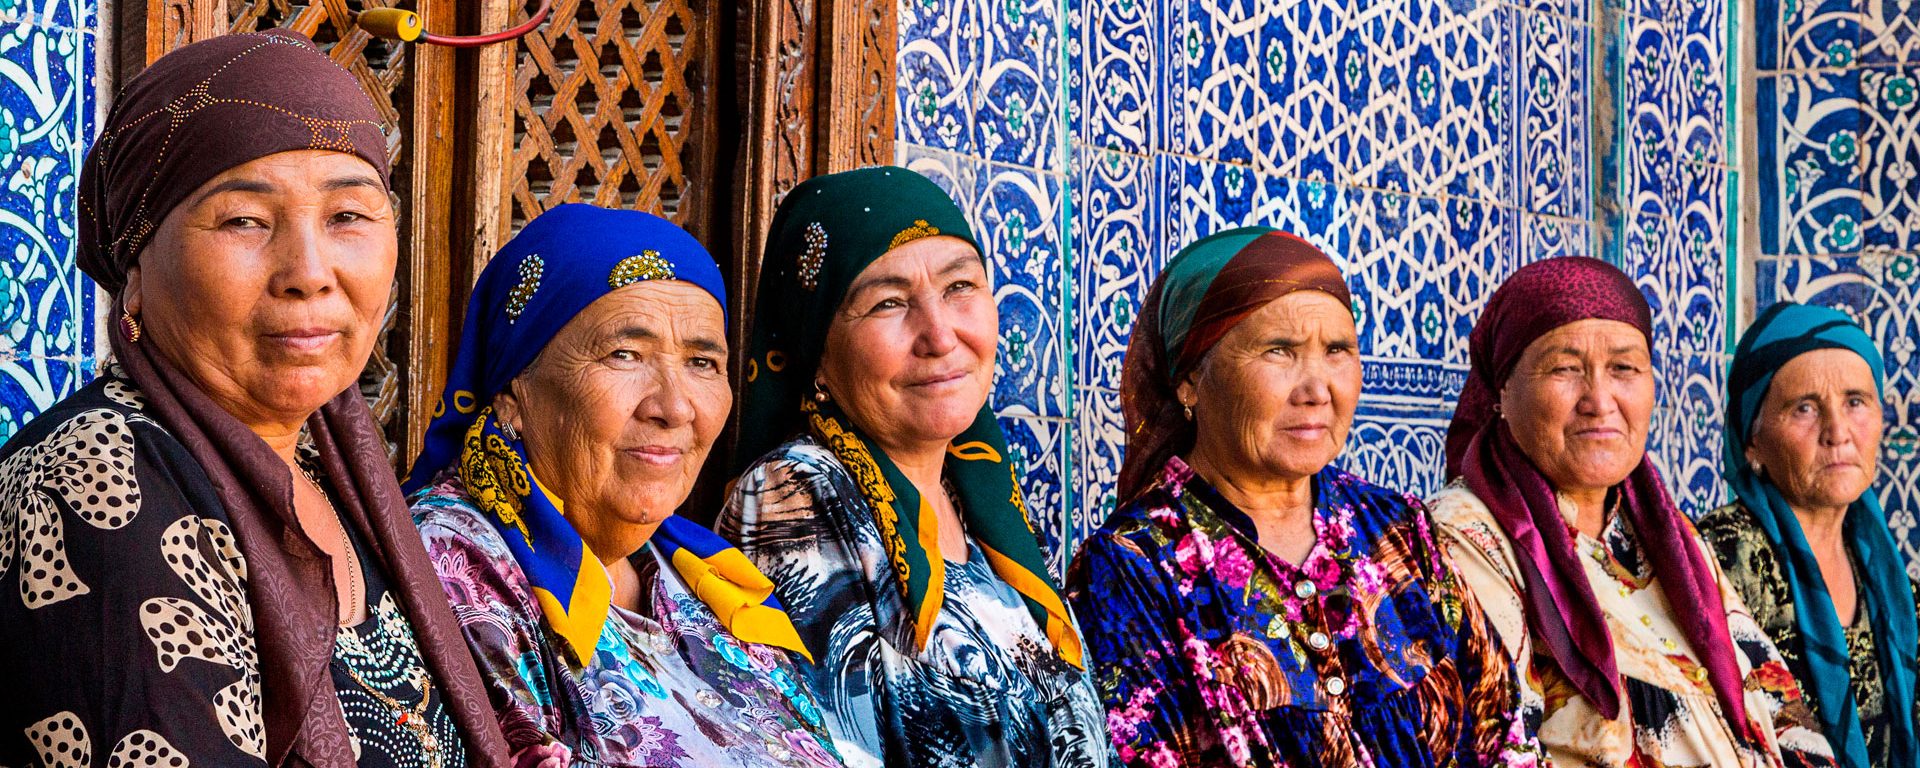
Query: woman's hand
x=549 y=755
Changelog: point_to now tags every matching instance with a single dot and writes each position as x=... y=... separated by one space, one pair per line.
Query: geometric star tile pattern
x=1432 y=146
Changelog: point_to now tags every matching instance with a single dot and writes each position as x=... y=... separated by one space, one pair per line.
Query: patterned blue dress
x=1212 y=652
x=988 y=690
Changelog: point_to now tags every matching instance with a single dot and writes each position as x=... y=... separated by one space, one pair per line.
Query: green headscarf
x=826 y=232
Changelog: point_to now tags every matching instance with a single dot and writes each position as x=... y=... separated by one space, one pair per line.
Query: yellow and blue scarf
x=563 y=261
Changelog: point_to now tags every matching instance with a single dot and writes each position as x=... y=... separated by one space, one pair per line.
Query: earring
x=1189 y=410
x=129 y=326
x=819 y=392
x=509 y=430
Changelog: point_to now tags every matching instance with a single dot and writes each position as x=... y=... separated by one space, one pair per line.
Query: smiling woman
x=243 y=554
x=1634 y=648
x=588 y=389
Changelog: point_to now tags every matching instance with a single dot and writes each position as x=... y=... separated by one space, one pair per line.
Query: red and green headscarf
x=826 y=232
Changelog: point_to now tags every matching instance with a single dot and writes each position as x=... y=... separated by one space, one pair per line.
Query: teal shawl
x=1783 y=332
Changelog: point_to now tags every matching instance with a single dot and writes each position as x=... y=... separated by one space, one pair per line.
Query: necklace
x=354 y=592
x=412 y=718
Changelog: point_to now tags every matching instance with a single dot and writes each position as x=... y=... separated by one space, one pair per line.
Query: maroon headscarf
x=1561 y=608
x=1205 y=290
x=194 y=114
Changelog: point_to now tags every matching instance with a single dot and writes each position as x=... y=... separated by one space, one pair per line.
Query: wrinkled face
x=1579 y=402
x=1817 y=436
x=621 y=408
x=1275 y=397
x=266 y=286
x=909 y=355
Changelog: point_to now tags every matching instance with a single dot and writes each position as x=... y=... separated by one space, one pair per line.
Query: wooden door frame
x=814 y=93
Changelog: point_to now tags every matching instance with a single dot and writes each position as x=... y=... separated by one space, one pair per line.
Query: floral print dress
x=1212 y=652
x=666 y=686
x=1669 y=716
x=1753 y=566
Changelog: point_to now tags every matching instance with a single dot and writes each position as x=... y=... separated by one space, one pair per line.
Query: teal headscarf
x=1783 y=332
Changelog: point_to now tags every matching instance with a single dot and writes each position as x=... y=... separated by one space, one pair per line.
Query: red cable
x=474 y=41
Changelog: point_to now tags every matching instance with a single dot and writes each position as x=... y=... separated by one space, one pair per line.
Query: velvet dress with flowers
x=1211 y=652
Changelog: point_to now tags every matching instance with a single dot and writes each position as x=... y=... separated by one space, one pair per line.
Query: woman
x=1250 y=605
x=1637 y=652
x=590 y=384
x=890 y=518
x=215 y=565
x=1805 y=542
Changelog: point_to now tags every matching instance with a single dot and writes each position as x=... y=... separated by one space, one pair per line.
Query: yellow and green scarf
x=827 y=231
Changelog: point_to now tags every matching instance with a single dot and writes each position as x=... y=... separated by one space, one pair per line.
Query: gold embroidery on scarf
x=493 y=475
x=531 y=269
x=919 y=230
x=873 y=484
x=813 y=257
x=646 y=266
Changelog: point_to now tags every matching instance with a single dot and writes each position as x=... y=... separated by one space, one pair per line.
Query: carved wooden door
x=704 y=111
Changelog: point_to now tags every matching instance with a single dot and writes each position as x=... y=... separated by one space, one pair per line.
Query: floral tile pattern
x=47 y=105
x=1430 y=146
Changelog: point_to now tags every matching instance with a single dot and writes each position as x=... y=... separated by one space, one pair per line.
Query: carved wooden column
x=819 y=98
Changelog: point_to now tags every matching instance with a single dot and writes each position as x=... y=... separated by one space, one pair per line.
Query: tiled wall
x=1433 y=145
x=47 y=104
x=1838 y=147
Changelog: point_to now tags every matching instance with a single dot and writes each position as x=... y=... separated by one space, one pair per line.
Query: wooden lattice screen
x=610 y=106
x=704 y=111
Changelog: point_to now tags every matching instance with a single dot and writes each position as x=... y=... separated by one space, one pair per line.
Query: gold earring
x=1189 y=410
x=130 y=326
x=509 y=430
x=819 y=392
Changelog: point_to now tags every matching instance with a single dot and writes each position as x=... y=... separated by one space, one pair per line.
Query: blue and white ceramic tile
x=1016 y=214
x=1212 y=70
x=1685 y=439
x=1099 y=447
x=937 y=73
x=46 y=305
x=1647 y=148
x=1809 y=131
x=1399 y=443
x=1890 y=154
x=1700 y=74
x=1117 y=239
x=1039 y=449
x=1304 y=112
x=1115 y=55
x=1204 y=197
x=1543 y=237
x=952 y=172
x=1430 y=98
x=64 y=14
x=1800 y=34
x=1550 y=166
x=1018 y=119
x=1889 y=32
x=1408 y=307
x=1878 y=289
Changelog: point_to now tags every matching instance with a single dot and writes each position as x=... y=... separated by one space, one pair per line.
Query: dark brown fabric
x=289 y=580
x=199 y=111
x=1268 y=266
x=194 y=114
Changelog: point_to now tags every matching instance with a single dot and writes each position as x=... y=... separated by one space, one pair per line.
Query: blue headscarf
x=563 y=261
x=1783 y=332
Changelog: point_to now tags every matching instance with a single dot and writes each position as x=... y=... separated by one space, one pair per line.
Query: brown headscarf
x=194 y=114
x=1561 y=608
x=1206 y=290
